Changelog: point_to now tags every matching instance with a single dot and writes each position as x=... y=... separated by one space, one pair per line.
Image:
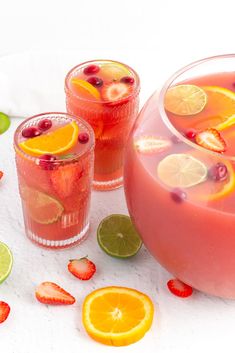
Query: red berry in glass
x=31 y=131
x=45 y=124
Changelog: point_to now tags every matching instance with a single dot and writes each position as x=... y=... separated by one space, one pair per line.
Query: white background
x=156 y=38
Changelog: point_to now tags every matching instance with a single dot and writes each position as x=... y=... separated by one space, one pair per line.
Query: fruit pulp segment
x=197 y=241
x=111 y=119
x=56 y=195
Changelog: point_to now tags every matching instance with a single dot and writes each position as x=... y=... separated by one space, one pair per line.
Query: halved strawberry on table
x=211 y=139
x=82 y=268
x=179 y=288
x=4 y=311
x=51 y=293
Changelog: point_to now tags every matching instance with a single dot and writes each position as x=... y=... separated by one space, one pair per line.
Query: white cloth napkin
x=33 y=82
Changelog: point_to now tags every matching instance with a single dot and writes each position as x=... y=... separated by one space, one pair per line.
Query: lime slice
x=4 y=122
x=6 y=261
x=114 y=71
x=41 y=207
x=118 y=237
x=181 y=170
x=185 y=99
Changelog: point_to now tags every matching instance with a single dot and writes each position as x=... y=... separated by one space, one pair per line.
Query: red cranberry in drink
x=31 y=131
x=91 y=69
x=175 y=139
x=83 y=137
x=191 y=134
x=178 y=195
x=218 y=172
x=128 y=79
x=47 y=161
x=45 y=124
x=95 y=81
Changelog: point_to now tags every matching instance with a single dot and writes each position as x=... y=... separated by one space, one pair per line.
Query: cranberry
x=31 y=131
x=91 y=69
x=83 y=137
x=45 y=124
x=191 y=134
x=95 y=81
x=128 y=79
x=175 y=139
x=218 y=172
x=178 y=195
x=46 y=161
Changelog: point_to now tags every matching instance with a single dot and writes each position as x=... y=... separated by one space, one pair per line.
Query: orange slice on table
x=117 y=316
x=55 y=142
x=85 y=89
x=185 y=100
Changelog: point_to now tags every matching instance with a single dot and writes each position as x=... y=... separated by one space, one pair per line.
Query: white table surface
x=156 y=37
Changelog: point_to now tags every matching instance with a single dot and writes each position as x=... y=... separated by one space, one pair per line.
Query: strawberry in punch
x=105 y=93
x=54 y=158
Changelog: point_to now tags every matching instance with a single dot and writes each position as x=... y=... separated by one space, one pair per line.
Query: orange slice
x=41 y=207
x=55 y=142
x=85 y=89
x=185 y=100
x=117 y=316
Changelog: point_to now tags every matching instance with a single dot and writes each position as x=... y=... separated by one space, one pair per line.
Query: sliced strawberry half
x=211 y=139
x=115 y=91
x=64 y=179
x=1 y=174
x=51 y=293
x=151 y=144
x=179 y=288
x=82 y=268
x=4 y=311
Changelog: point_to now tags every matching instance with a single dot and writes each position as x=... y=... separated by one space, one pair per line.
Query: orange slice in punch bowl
x=117 y=316
x=85 y=89
x=185 y=100
x=55 y=142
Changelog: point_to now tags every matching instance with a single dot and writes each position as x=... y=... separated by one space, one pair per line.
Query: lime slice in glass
x=4 y=122
x=118 y=237
x=6 y=261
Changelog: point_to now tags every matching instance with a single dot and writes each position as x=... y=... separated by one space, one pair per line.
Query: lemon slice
x=185 y=100
x=6 y=261
x=114 y=71
x=181 y=170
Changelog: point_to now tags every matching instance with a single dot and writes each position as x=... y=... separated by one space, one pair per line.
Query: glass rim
x=68 y=90
x=164 y=115
x=77 y=156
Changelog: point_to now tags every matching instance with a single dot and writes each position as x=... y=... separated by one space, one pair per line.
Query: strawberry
x=1 y=174
x=64 y=179
x=211 y=139
x=4 y=311
x=179 y=288
x=82 y=268
x=114 y=91
x=51 y=293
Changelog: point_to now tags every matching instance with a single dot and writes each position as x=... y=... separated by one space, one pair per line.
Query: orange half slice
x=85 y=89
x=55 y=142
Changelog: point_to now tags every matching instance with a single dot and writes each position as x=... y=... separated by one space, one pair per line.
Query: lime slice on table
x=6 y=261
x=118 y=237
x=4 y=122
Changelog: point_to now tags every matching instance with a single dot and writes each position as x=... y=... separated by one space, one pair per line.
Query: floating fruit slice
x=116 y=90
x=181 y=171
x=55 y=142
x=114 y=71
x=118 y=237
x=85 y=89
x=227 y=123
x=151 y=144
x=41 y=207
x=4 y=122
x=117 y=316
x=185 y=100
x=211 y=140
x=6 y=261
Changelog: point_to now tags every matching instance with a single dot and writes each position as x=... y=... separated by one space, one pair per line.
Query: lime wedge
x=4 y=122
x=6 y=261
x=118 y=237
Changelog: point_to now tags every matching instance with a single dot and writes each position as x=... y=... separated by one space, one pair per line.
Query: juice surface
x=105 y=93
x=55 y=187
x=189 y=229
